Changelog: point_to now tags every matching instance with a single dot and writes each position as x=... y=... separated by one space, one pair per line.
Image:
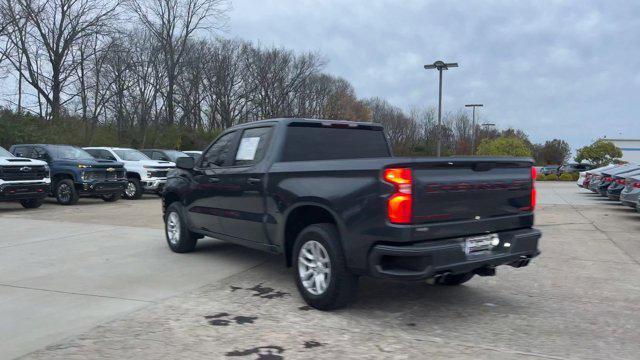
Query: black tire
x=343 y=285
x=65 y=192
x=185 y=240
x=139 y=191
x=453 y=280
x=113 y=197
x=31 y=203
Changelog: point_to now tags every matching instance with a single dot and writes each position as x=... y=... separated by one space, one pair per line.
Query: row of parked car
x=617 y=182
x=564 y=169
x=31 y=172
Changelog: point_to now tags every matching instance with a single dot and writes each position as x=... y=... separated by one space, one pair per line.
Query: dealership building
x=630 y=149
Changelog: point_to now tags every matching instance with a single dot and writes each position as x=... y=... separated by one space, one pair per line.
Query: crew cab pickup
x=333 y=200
x=24 y=180
x=143 y=174
x=75 y=173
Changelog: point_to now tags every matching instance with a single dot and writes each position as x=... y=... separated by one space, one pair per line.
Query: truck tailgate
x=470 y=189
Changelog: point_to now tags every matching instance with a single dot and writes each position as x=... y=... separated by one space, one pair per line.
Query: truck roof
x=288 y=121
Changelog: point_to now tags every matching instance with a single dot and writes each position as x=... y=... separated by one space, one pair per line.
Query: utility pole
x=440 y=65
x=473 y=126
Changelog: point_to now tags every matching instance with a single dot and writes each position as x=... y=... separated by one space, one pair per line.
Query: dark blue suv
x=75 y=173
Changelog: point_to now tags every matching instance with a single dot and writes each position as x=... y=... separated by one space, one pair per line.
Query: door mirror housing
x=185 y=163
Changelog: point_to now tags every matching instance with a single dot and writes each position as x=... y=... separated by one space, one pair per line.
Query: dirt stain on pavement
x=263 y=292
x=217 y=319
x=269 y=352
x=310 y=344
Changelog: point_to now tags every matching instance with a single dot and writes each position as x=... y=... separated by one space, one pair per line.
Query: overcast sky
x=567 y=69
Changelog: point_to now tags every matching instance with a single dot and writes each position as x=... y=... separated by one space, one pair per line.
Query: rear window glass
x=329 y=143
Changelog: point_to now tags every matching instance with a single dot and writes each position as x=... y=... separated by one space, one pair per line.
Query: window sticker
x=248 y=148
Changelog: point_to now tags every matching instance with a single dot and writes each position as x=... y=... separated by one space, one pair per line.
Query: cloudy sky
x=567 y=69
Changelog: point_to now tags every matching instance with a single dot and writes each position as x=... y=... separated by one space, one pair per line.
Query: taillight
x=607 y=179
x=534 y=193
x=399 y=205
x=620 y=181
x=636 y=185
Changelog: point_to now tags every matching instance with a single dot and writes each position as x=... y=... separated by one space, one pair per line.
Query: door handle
x=214 y=179
x=254 y=181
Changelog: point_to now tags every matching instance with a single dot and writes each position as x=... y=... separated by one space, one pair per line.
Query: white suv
x=144 y=174
x=27 y=181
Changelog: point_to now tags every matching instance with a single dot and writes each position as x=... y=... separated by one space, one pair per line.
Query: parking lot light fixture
x=440 y=65
x=473 y=126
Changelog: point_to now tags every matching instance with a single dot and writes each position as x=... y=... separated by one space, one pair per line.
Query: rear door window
x=253 y=146
x=303 y=143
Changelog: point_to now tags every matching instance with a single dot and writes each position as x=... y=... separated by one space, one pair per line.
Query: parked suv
x=24 y=180
x=143 y=174
x=164 y=155
x=550 y=170
x=75 y=173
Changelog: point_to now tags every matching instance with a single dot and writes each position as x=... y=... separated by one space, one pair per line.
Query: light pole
x=473 y=126
x=440 y=65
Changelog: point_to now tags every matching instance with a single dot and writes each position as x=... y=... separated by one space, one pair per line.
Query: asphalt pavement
x=96 y=280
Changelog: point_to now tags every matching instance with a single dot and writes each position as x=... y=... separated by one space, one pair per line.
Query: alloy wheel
x=130 y=191
x=64 y=192
x=314 y=267
x=173 y=228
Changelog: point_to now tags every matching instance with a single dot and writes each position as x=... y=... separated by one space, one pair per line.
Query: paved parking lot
x=96 y=280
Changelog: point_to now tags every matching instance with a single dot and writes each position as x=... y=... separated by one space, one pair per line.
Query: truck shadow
x=374 y=295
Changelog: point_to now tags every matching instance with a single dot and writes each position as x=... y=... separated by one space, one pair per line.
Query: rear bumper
x=427 y=259
x=16 y=192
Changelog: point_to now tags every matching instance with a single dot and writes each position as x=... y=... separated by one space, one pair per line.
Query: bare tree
x=46 y=36
x=173 y=23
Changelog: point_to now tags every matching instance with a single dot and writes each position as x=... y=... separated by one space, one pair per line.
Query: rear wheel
x=452 y=280
x=133 y=190
x=179 y=238
x=321 y=273
x=31 y=203
x=65 y=192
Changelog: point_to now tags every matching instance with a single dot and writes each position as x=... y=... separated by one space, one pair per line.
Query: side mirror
x=185 y=163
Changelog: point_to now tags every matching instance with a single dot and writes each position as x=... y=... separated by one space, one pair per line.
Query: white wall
x=630 y=149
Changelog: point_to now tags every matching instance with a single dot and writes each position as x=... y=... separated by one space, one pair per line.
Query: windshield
x=131 y=155
x=68 y=152
x=5 y=153
x=174 y=154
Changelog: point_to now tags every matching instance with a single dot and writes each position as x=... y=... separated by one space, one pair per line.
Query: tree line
x=149 y=73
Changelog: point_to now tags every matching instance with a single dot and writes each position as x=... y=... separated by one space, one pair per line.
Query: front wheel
x=31 y=203
x=321 y=273
x=179 y=238
x=66 y=193
x=133 y=190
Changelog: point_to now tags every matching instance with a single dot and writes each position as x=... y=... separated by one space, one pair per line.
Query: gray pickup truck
x=333 y=201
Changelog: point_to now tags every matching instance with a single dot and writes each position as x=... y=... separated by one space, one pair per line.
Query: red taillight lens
x=620 y=181
x=399 y=205
x=534 y=193
x=636 y=185
x=607 y=179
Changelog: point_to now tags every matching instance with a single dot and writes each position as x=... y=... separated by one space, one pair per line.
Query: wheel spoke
x=307 y=263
